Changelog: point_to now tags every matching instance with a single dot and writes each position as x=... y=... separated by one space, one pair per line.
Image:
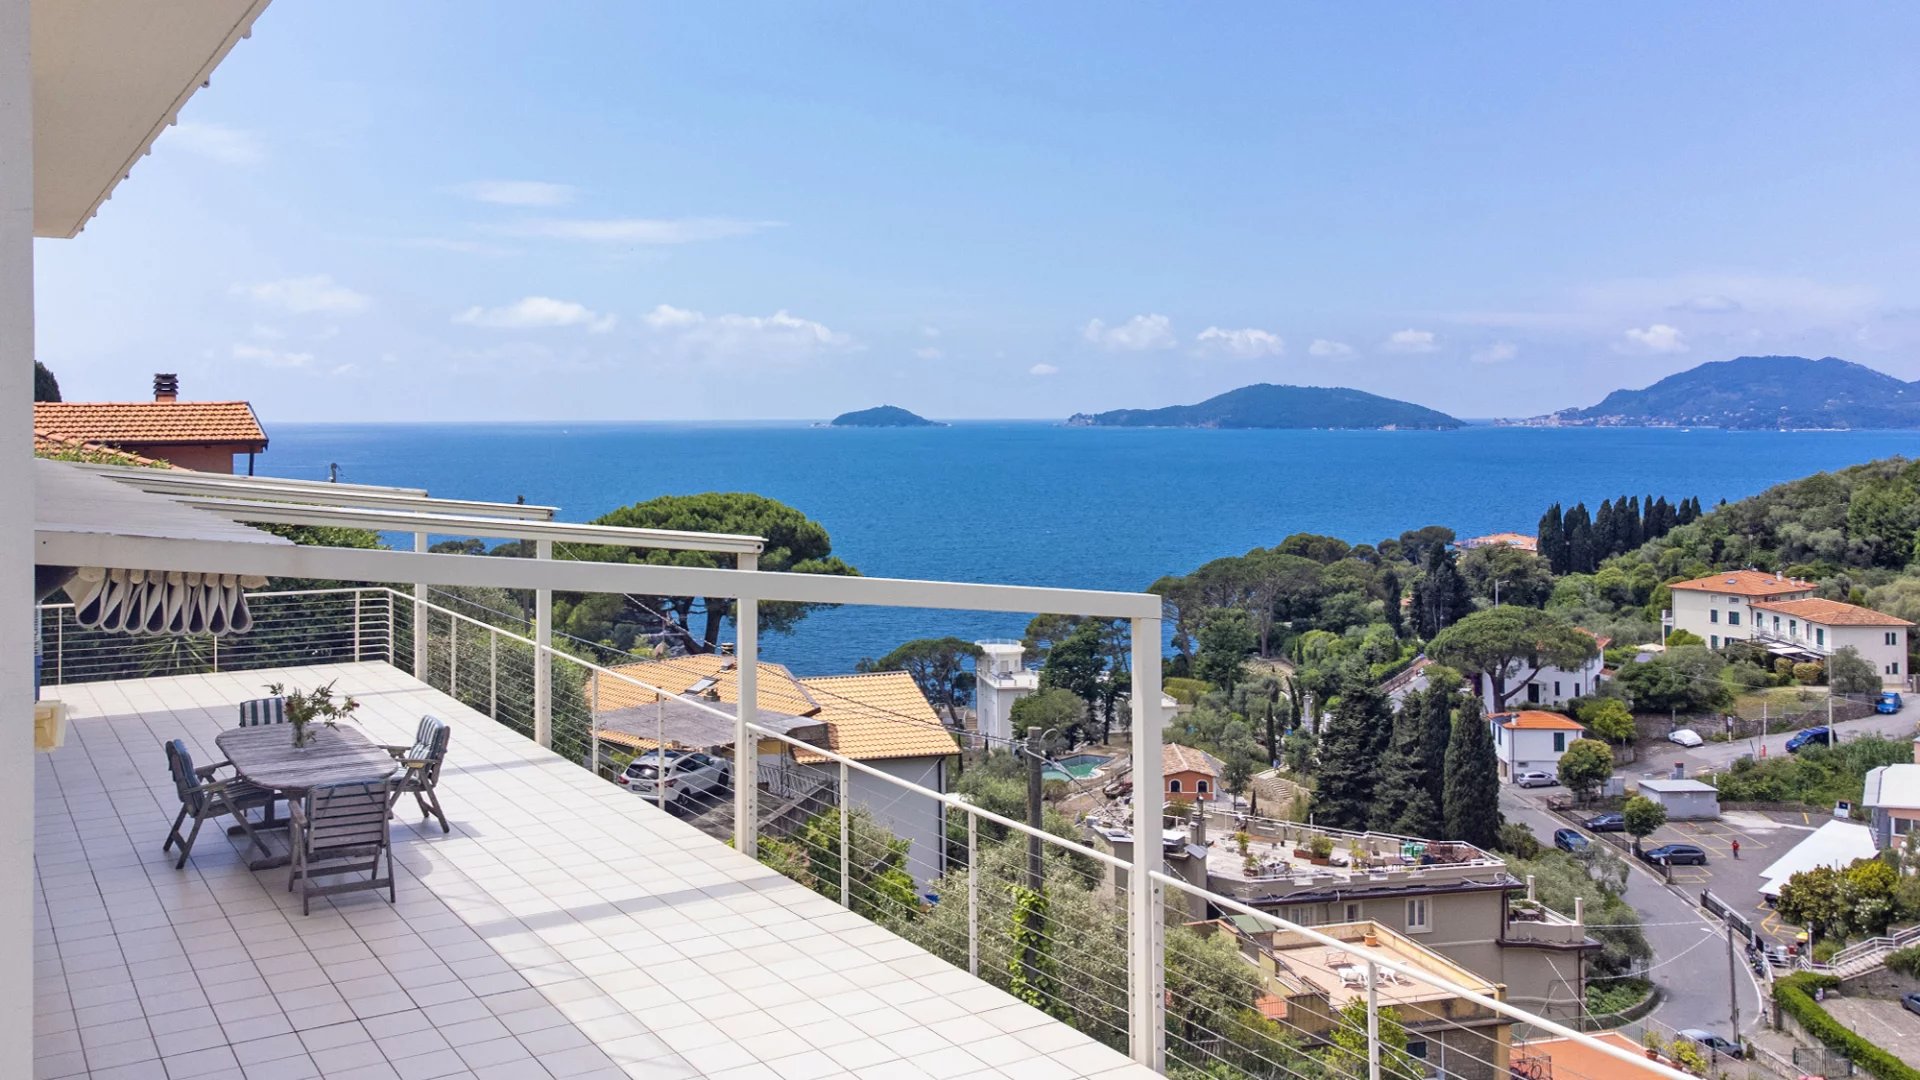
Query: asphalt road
x=1689 y=949
x=1718 y=755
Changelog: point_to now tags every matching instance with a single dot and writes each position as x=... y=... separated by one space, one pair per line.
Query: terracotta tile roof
x=1536 y=720
x=1504 y=539
x=151 y=423
x=1745 y=583
x=1185 y=759
x=1566 y=1058
x=1830 y=612
x=876 y=716
x=48 y=445
x=1599 y=640
x=779 y=691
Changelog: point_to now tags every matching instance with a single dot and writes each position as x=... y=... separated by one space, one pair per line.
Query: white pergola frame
x=301 y=502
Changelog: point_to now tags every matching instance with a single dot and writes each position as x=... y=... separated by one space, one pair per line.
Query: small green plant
x=1242 y=841
x=1905 y=961
x=308 y=707
x=1320 y=847
x=1686 y=1054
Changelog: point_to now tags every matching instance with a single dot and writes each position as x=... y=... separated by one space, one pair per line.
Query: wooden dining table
x=266 y=757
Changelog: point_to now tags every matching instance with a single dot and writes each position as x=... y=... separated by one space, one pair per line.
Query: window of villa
x=1819 y=635
x=1776 y=624
x=1733 y=618
x=1200 y=788
x=1556 y=688
x=1713 y=640
x=1352 y=913
x=1893 y=669
x=1419 y=919
x=1793 y=627
x=1559 y=742
x=1893 y=637
x=1173 y=787
x=1714 y=615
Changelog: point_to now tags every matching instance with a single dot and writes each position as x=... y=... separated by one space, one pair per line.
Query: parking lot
x=1882 y=1022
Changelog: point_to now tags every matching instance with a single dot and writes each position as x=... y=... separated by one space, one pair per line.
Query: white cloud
x=537 y=311
x=1043 y=369
x=1138 y=334
x=215 y=142
x=781 y=337
x=1323 y=347
x=305 y=295
x=930 y=331
x=928 y=353
x=1497 y=353
x=1246 y=344
x=1658 y=338
x=638 y=230
x=518 y=192
x=462 y=247
x=1409 y=341
x=271 y=357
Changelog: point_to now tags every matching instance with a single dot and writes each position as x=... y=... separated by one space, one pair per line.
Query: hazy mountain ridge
x=1266 y=405
x=1752 y=392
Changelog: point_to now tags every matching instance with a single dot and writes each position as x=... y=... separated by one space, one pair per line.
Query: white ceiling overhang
x=108 y=77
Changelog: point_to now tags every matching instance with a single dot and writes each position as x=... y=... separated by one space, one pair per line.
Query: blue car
x=1820 y=735
x=1889 y=702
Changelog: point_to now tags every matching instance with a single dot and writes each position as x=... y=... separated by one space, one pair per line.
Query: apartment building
x=1719 y=607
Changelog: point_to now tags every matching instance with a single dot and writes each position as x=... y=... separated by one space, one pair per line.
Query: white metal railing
x=1870 y=948
x=1761 y=633
x=1080 y=947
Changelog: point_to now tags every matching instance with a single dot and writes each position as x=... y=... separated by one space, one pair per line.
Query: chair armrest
x=207 y=771
x=398 y=752
x=414 y=763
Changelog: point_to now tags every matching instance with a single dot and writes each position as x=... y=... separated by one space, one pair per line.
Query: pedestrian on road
x=1736 y=849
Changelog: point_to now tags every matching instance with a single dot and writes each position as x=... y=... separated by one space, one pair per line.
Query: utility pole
x=1733 y=983
x=1030 y=953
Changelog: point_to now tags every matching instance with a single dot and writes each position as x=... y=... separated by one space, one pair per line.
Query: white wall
x=1871 y=642
x=16 y=538
x=1528 y=751
x=1551 y=685
x=914 y=818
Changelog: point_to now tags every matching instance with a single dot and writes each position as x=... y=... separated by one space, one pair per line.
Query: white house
x=1816 y=628
x=1001 y=677
x=1719 y=608
x=1550 y=685
x=1531 y=741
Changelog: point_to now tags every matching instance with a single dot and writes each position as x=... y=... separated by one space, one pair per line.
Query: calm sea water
x=1036 y=503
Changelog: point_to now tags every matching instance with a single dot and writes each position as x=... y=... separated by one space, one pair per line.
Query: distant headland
x=1265 y=405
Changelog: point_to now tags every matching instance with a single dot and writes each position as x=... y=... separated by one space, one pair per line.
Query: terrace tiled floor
x=565 y=929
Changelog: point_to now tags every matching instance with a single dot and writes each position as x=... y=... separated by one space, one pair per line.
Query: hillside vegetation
x=1265 y=405
x=1765 y=392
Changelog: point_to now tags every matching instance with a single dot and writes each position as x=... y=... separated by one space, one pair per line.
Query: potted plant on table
x=306 y=708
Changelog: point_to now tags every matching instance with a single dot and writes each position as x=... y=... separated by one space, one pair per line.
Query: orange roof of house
x=1509 y=539
x=1185 y=759
x=1569 y=1059
x=151 y=423
x=46 y=444
x=1831 y=612
x=779 y=692
x=1537 y=720
x=875 y=716
x=1745 y=583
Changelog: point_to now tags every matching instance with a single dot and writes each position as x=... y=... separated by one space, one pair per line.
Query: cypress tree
x=1472 y=805
x=1604 y=531
x=1436 y=713
x=1636 y=522
x=1580 y=544
x=1351 y=745
x=1658 y=518
x=1552 y=540
x=1403 y=802
x=1441 y=595
x=1390 y=586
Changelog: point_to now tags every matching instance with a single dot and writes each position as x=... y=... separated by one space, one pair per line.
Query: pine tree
x=1472 y=804
x=1351 y=745
x=1552 y=540
x=1441 y=595
x=1403 y=803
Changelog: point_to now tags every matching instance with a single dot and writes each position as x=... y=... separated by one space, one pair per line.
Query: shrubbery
x=1794 y=993
x=1817 y=775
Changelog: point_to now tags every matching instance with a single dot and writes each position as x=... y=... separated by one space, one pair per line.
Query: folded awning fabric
x=155 y=602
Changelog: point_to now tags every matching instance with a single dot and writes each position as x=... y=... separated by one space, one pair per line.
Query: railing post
x=356 y=626
x=453 y=657
x=420 y=618
x=1373 y=1021
x=746 y=745
x=393 y=626
x=216 y=654
x=543 y=655
x=846 y=854
x=493 y=677
x=973 y=894
x=1145 y=979
x=59 y=650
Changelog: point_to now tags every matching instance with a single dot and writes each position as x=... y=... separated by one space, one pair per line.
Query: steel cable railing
x=938 y=871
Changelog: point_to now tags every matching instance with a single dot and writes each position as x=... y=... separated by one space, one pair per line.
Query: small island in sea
x=1265 y=405
x=883 y=416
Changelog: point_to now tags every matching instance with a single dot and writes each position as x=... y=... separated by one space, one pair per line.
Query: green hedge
x=1794 y=994
x=1905 y=961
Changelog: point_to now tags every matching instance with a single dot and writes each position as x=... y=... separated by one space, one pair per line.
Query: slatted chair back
x=180 y=766
x=262 y=711
x=431 y=747
x=345 y=818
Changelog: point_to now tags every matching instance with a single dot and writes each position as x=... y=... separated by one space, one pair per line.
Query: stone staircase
x=1275 y=792
x=1864 y=956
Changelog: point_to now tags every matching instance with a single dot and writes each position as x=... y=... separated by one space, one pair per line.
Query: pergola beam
x=177 y=483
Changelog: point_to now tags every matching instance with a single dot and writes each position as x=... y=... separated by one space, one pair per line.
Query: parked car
x=1822 y=735
x=1889 y=702
x=1685 y=737
x=1611 y=821
x=1911 y=1003
x=1535 y=779
x=1676 y=855
x=688 y=773
x=1724 y=1047
x=1570 y=840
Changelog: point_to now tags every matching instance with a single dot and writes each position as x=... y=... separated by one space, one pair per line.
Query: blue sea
x=1039 y=503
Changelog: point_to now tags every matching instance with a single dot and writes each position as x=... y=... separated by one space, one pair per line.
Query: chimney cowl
x=166 y=386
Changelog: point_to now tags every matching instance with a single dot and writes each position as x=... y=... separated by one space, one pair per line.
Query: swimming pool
x=1077 y=767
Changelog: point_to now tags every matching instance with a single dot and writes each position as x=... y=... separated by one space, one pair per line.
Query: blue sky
x=783 y=211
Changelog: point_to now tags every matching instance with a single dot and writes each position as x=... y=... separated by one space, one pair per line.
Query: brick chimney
x=166 y=387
